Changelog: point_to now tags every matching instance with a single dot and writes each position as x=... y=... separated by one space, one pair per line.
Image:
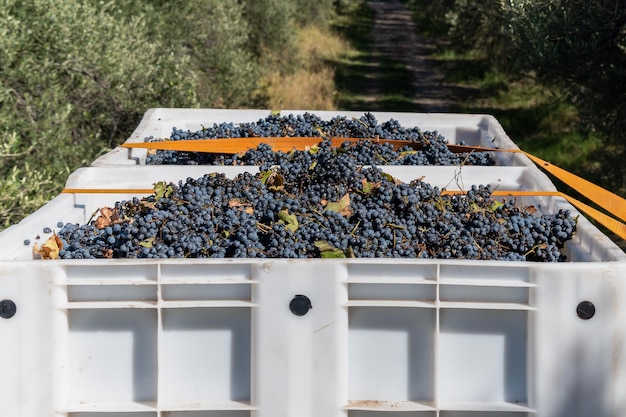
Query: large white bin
x=472 y=129
x=310 y=338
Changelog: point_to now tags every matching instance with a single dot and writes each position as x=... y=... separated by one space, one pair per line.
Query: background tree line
x=76 y=76
x=575 y=48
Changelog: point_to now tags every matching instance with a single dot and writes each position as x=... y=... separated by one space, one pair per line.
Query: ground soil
x=395 y=36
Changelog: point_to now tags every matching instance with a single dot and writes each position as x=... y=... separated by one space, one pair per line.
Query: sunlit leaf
x=407 y=153
x=162 y=189
x=289 y=220
x=148 y=243
x=327 y=250
x=495 y=205
x=107 y=217
x=391 y=178
x=50 y=249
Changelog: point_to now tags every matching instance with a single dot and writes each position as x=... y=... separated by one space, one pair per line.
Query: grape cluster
x=433 y=152
x=317 y=203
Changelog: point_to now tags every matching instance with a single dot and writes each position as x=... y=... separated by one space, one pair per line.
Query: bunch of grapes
x=434 y=149
x=317 y=203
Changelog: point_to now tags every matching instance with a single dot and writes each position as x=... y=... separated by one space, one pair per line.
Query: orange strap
x=108 y=191
x=281 y=143
x=611 y=202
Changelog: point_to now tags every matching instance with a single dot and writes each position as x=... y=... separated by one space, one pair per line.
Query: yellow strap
x=600 y=196
x=610 y=223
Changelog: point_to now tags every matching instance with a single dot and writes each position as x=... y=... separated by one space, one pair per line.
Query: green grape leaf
x=289 y=220
x=264 y=175
x=272 y=179
x=148 y=243
x=333 y=254
x=495 y=205
x=162 y=189
x=369 y=187
x=327 y=250
x=391 y=178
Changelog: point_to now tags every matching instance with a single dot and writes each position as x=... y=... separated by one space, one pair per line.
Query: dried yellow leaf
x=50 y=249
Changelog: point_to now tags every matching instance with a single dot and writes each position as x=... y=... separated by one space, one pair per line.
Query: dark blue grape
x=293 y=209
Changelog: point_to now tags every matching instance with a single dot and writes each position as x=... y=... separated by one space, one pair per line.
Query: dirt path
x=396 y=37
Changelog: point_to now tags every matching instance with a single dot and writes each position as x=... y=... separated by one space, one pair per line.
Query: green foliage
x=430 y=16
x=214 y=35
x=77 y=76
x=74 y=80
x=478 y=26
x=578 y=45
x=576 y=48
x=317 y=13
x=270 y=24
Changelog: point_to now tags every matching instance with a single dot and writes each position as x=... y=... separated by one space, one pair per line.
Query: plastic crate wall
x=384 y=337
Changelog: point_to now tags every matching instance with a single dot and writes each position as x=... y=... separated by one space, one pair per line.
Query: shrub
x=75 y=79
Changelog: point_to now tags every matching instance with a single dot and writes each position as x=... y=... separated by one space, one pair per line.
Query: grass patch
x=311 y=84
x=538 y=120
x=357 y=75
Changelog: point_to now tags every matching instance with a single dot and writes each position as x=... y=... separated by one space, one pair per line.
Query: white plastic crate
x=472 y=129
x=384 y=337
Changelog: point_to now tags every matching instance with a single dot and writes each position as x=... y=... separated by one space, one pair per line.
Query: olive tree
x=74 y=80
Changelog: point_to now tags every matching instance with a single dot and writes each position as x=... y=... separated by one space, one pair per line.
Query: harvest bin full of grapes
x=299 y=263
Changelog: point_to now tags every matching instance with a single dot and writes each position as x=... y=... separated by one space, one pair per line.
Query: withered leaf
x=107 y=217
x=342 y=206
x=241 y=204
x=50 y=249
x=272 y=179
